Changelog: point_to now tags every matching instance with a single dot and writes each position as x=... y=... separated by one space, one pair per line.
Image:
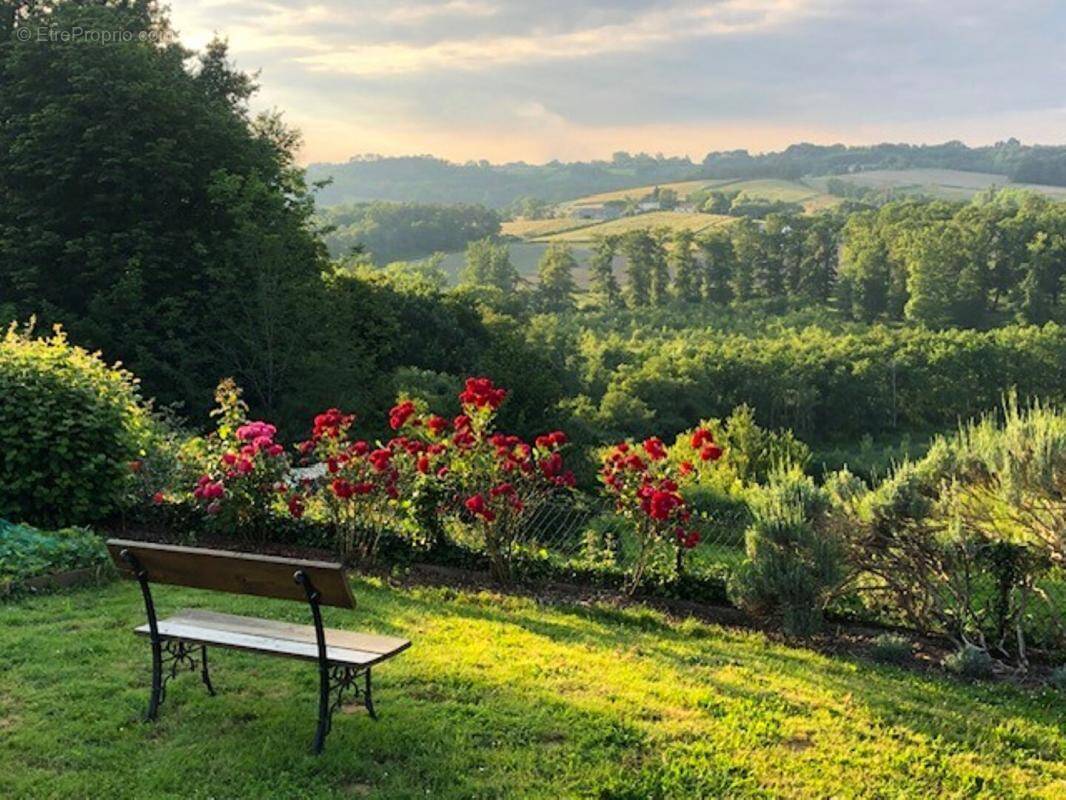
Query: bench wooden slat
x=275 y=638
x=255 y=626
x=237 y=573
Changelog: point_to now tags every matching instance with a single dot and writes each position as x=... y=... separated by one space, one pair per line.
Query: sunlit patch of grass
x=502 y=696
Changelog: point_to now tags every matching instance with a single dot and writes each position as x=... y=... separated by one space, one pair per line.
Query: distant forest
x=432 y=180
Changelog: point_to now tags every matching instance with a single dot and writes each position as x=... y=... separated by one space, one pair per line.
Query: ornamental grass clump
x=795 y=558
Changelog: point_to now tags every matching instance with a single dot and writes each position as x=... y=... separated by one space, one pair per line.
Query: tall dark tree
x=488 y=263
x=688 y=283
x=716 y=247
x=660 y=270
x=818 y=260
x=639 y=248
x=555 y=278
x=602 y=281
x=134 y=183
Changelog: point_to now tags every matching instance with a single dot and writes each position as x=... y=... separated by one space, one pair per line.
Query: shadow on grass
x=479 y=721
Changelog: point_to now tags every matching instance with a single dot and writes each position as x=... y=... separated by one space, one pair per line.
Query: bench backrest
x=238 y=573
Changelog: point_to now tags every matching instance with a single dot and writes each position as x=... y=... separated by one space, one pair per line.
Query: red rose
x=655 y=449
x=330 y=423
x=399 y=414
x=711 y=452
x=296 y=506
x=342 y=489
x=700 y=437
x=477 y=506
x=158 y=498
x=379 y=459
x=481 y=393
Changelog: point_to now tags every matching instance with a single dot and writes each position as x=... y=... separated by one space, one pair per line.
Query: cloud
x=530 y=79
x=656 y=27
x=424 y=11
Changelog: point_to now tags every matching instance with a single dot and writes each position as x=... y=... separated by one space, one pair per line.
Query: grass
x=812 y=198
x=532 y=228
x=947 y=184
x=683 y=188
x=502 y=697
x=773 y=189
x=674 y=220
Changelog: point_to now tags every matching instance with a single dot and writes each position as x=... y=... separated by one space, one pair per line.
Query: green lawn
x=501 y=697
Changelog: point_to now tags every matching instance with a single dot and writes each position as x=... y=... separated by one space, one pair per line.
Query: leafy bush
x=959 y=541
x=969 y=661
x=1057 y=679
x=26 y=552
x=891 y=648
x=794 y=559
x=70 y=426
x=751 y=452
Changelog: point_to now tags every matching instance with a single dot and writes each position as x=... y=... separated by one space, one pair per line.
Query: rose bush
x=490 y=481
x=647 y=490
x=365 y=488
x=246 y=470
x=434 y=472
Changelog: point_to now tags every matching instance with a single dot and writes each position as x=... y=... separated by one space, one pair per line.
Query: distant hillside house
x=597 y=211
x=649 y=205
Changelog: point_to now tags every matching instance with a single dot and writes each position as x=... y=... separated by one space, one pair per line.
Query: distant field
x=674 y=220
x=683 y=189
x=948 y=184
x=532 y=228
x=774 y=189
x=525 y=256
x=813 y=198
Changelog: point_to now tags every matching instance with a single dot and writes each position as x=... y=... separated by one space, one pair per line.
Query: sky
x=536 y=80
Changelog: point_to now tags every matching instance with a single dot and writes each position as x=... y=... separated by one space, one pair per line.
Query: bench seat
x=277 y=638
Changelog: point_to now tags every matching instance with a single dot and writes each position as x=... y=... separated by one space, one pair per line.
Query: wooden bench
x=180 y=642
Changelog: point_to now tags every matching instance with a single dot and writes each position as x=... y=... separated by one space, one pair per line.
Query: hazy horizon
x=537 y=81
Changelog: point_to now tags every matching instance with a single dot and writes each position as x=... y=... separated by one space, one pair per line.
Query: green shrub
x=70 y=426
x=1057 y=678
x=959 y=541
x=891 y=648
x=26 y=552
x=794 y=561
x=969 y=661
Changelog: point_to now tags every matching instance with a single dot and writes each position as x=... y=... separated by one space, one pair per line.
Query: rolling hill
x=674 y=220
x=948 y=184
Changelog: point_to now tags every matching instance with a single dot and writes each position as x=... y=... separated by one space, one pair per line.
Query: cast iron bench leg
x=368 y=699
x=204 y=674
x=157 y=682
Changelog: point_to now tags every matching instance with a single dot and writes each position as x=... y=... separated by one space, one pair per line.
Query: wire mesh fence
x=585 y=530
